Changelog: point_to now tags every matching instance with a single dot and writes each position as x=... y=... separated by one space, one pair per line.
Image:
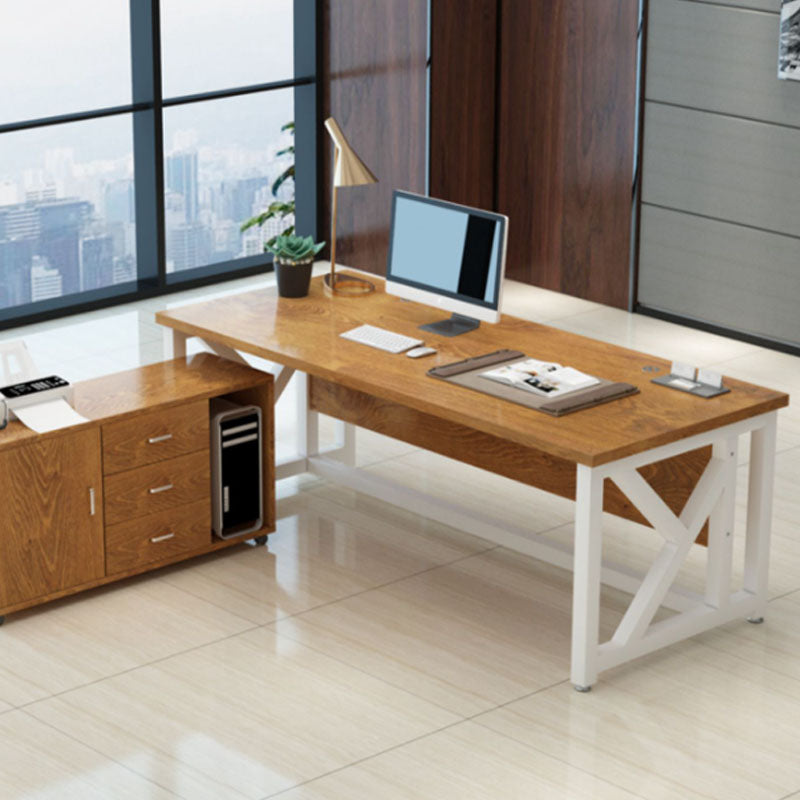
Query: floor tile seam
x=568 y=764
x=252 y=627
x=477 y=721
x=102 y=755
x=363 y=671
x=379 y=586
x=363 y=760
x=213 y=603
x=782 y=596
x=361 y=524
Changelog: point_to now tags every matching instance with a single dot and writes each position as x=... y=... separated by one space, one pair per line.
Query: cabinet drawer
x=158 y=536
x=157 y=487
x=155 y=436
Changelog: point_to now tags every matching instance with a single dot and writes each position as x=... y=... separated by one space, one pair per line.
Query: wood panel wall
x=566 y=143
x=374 y=83
x=463 y=101
x=543 y=130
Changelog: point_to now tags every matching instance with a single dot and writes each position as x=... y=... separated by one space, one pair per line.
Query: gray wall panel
x=735 y=277
x=760 y=5
x=718 y=58
x=733 y=169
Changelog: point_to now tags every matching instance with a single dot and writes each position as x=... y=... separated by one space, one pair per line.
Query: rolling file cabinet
x=130 y=490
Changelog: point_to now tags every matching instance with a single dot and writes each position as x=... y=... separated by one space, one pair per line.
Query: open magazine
x=543 y=378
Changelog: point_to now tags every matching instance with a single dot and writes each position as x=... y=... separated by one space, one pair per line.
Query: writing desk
x=663 y=458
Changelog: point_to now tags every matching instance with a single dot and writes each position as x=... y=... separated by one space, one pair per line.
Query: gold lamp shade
x=348 y=170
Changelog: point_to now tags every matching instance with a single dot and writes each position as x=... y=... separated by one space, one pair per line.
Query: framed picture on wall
x=789 y=53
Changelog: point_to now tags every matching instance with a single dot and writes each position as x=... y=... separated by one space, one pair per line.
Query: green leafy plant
x=278 y=209
x=293 y=248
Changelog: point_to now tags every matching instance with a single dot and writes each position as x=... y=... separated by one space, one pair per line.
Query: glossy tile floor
x=370 y=653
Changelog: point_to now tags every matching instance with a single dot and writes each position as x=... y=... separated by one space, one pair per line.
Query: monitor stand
x=454 y=326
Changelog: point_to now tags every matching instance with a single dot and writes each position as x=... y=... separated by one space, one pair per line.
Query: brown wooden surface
x=129 y=394
x=566 y=150
x=304 y=333
x=263 y=396
x=49 y=540
x=127 y=444
x=56 y=557
x=463 y=101
x=673 y=479
x=127 y=494
x=374 y=84
x=129 y=544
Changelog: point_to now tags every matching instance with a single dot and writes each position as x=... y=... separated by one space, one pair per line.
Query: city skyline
x=67 y=191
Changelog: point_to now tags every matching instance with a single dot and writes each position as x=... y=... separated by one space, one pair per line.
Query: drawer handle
x=92 y=503
x=158 y=489
x=156 y=439
x=163 y=538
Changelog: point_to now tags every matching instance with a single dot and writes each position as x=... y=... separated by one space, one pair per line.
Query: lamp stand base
x=345 y=285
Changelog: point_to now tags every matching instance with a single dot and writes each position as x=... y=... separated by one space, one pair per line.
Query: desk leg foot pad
x=582 y=688
x=755 y=620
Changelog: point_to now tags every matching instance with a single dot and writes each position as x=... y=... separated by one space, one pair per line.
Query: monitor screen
x=449 y=250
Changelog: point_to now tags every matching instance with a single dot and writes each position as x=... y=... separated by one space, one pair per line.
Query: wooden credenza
x=127 y=492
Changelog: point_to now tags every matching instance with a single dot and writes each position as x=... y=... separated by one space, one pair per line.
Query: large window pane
x=63 y=57
x=218 y=44
x=66 y=210
x=220 y=164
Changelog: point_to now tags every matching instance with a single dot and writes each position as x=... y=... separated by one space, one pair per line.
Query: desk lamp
x=348 y=170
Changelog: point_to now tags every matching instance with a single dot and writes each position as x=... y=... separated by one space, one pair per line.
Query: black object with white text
x=237 y=501
x=40 y=390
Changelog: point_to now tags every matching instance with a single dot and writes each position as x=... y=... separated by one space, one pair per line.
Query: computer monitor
x=448 y=256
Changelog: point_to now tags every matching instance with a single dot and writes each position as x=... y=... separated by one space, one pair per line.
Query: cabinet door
x=51 y=533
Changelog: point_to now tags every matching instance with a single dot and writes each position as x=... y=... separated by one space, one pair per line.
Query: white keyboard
x=380 y=338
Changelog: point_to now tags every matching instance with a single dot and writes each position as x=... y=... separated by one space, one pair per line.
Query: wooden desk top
x=304 y=333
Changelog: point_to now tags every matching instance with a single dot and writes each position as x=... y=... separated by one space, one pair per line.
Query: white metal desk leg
x=178 y=344
x=759 y=514
x=720 y=529
x=348 y=453
x=307 y=420
x=586 y=577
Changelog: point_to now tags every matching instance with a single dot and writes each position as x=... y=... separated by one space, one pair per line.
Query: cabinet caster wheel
x=2 y=620
x=258 y=541
x=755 y=620
x=582 y=689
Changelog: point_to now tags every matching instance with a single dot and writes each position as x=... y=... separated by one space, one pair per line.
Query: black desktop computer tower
x=237 y=503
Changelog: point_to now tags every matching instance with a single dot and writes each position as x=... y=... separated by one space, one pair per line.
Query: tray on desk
x=467 y=373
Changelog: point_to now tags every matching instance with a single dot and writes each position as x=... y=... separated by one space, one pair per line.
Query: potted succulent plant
x=294 y=257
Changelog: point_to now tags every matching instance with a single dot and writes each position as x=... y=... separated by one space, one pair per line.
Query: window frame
x=146 y=111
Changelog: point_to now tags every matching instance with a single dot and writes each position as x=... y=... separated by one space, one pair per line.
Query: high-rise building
x=182 y=179
x=124 y=270
x=243 y=196
x=60 y=225
x=120 y=202
x=16 y=258
x=46 y=283
x=97 y=262
x=188 y=246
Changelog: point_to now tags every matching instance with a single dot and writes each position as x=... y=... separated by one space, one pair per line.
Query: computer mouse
x=420 y=352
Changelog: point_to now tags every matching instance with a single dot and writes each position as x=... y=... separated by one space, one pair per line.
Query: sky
x=59 y=57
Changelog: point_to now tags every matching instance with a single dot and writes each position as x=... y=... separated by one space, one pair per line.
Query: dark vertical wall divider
x=373 y=77
x=532 y=113
x=566 y=143
x=463 y=104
